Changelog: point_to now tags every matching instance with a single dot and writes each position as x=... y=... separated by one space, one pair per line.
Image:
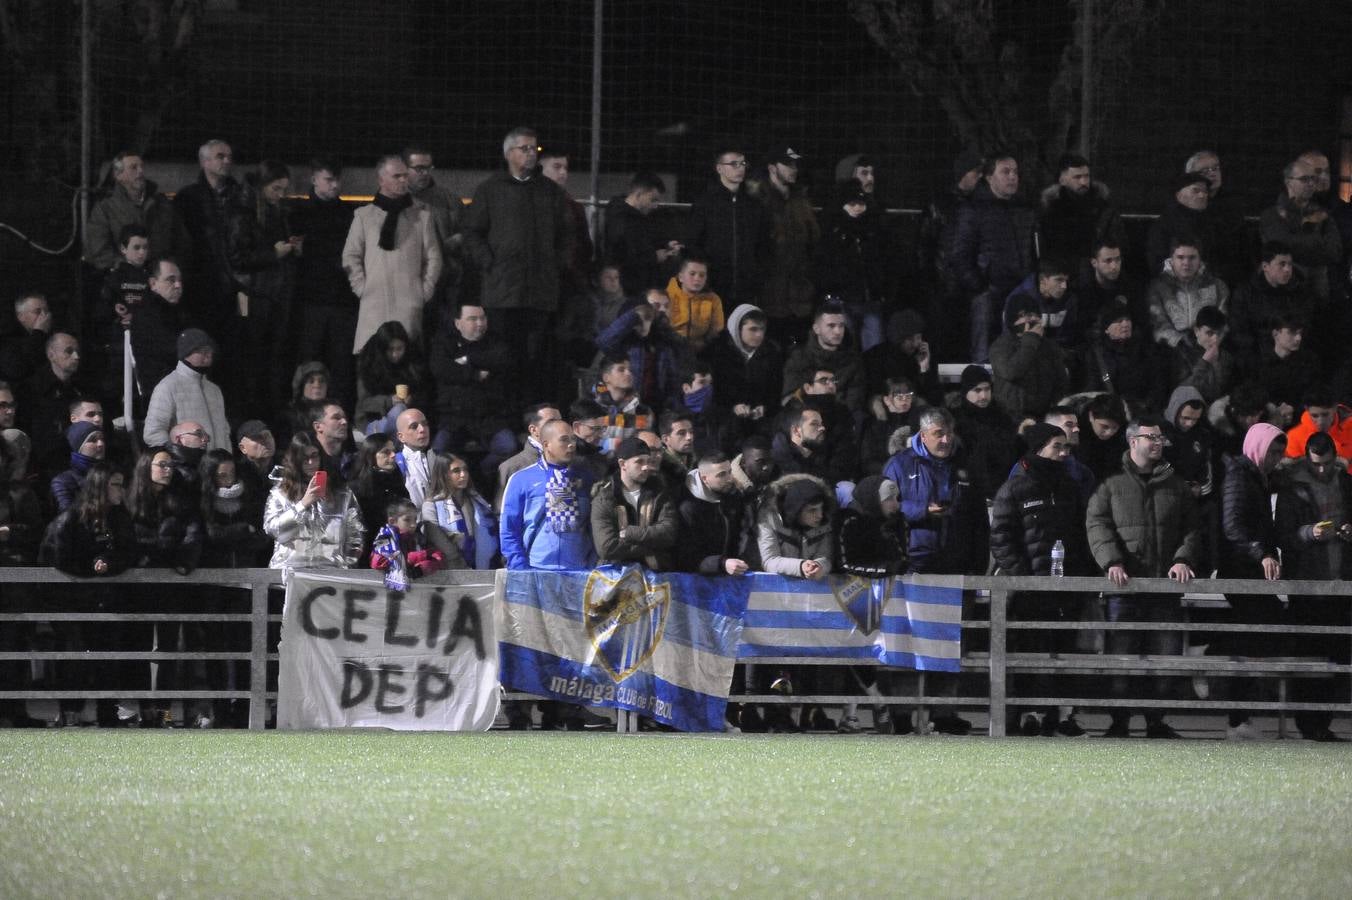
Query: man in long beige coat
x=393 y=266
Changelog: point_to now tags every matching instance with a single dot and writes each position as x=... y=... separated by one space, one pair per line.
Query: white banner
x=354 y=654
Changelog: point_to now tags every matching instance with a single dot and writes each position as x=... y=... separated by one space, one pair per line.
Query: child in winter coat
x=423 y=547
x=696 y=314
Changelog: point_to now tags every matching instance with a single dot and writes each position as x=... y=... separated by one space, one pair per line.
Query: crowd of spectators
x=756 y=388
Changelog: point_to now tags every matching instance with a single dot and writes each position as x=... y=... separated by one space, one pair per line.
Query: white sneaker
x=1244 y=731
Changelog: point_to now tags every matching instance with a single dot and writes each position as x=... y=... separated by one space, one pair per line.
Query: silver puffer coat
x=325 y=535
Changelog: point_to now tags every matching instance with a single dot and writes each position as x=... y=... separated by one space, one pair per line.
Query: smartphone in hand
x=322 y=482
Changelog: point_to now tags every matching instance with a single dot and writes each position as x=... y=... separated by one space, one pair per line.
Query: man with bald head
x=44 y=401
x=546 y=510
x=1301 y=222
x=416 y=456
x=392 y=256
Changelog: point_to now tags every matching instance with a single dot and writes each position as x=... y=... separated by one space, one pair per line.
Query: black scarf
x=1050 y=471
x=393 y=207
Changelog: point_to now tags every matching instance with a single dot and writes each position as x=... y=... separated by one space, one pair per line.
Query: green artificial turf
x=377 y=814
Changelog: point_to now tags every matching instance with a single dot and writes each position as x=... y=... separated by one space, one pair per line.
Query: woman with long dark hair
x=376 y=482
x=314 y=524
x=391 y=377
x=95 y=537
x=455 y=506
x=167 y=520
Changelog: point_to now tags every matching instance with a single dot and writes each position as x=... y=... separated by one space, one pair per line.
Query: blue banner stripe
x=927 y=593
x=899 y=659
x=765 y=618
x=568 y=680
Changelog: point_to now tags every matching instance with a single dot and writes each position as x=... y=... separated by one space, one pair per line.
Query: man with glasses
x=1301 y=222
x=1143 y=523
x=188 y=443
x=448 y=212
x=518 y=234
x=731 y=230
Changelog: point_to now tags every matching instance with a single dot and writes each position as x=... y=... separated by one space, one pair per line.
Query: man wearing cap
x=987 y=433
x=1039 y=505
x=86 y=448
x=731 y=230
x=187 y=394
x=255 y=452
x=1184 y=217
x=788 y=290
x=632 y=521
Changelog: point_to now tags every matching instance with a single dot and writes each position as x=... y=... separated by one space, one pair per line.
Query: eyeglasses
x=163 y=465
x=734 y=164
x=422 y=170
x=199 y=433
x=902 y=395
x=1152 y=438
x=825 y=379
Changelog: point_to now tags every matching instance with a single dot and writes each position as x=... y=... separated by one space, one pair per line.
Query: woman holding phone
x=315 y=527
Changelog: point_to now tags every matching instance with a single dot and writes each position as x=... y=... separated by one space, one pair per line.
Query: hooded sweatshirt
x=1191 y=452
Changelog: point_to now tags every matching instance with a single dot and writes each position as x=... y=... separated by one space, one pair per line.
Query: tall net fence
x=1259 y=82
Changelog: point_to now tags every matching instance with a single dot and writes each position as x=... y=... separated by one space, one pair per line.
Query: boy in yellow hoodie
x=696 y=315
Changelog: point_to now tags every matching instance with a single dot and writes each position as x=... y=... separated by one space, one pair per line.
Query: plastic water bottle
x=1058 y=559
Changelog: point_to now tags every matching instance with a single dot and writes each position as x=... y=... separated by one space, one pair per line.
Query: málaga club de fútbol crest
x=625 y=617
x=863 y=600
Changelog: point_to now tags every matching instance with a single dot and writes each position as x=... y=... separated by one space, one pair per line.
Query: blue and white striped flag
x=661 y=644
x=898 y=624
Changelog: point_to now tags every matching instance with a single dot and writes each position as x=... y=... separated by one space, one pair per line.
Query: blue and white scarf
x=561 y=502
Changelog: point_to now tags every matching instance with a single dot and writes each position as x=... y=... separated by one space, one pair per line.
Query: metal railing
x=998 y=662
x=256 y=581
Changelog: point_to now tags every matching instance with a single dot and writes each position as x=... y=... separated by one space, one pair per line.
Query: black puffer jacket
x=1246 y=520
x=1035 y=508
x=73 y=547
x=994 y=243
x=172 y=535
